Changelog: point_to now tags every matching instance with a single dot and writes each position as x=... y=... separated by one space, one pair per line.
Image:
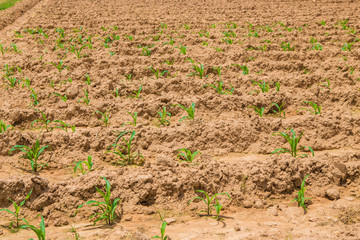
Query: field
x=258 y=101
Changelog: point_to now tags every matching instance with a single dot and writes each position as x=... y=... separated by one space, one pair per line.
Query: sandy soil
x=235 y=142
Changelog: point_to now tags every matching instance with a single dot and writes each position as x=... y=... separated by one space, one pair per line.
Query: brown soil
x=234 y=141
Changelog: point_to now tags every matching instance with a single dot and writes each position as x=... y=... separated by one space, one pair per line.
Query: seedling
x=199 y=71
x=88 y=164
x=11 y=81
x=64 y=126
x=219 y=87
x=287 y=47
x=208 y=200
x=185 y=155
x=264 y=86
x=26 y=83
x=157 y=73
x=190 y=111
x=86 y=98
x=301 y=199
x=3 y=126
x=162 y=229
x=136 y=93
x=40 y=232
x=15 y=48
x=106 y=208
x=326 y=84
x=32 y=154
x=16 y=212
x=87 y=79
x=259 y=111
x=169 y=62
x=218 y=70
x=62 y=97
x=347 y=46
x=2 y=49
x=218 y=208
x=145 y=51
x=171 y=42
x=163 y=117
x=218 y=49
x=279 y=111
x=134 y=119
x=117 y=93
x=104 y=117
x=128 y=77
x=125 y=153
x=34 y=97
x=277 y=86
x=77 y=51
x=316 y=108
x=59 y=66
x=182 y=49
x=43 y=120
x=317 y=46
x=293 y=141
x=244 y=68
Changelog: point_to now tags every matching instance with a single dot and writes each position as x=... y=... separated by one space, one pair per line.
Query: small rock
x=128 y=218
x=1 y=232
x=272 y=211
x=258 y=204
x=248 y=203
x=170 y=220
x=349 y=199
x=332 y=194
x=270 y=224
x=314 y=219
x=62 y=104
x=237 y=228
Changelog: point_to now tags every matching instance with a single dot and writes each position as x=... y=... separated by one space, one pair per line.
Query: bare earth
x=235 y=142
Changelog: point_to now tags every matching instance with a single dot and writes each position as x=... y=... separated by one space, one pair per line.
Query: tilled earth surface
x=57 y=52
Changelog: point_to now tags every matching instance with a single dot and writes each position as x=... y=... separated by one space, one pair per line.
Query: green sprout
x=199 y=71
x=87 y=79
x=157 y=73
x=43 y=120
x=136 y=93
x=16 y=212
x=59 y=66
x=163 y=117
x=77 y=51
x=190 y=111
x=34 y=97
x=326 y=84
x=79 y=165
x=347 y=46
x=264 y=86
x=219 y=87
x=287 y=47
x=293 y=141
x=279 y=111
x=301 y=199
x=162 y=229
x=124 y=152
x=64 y=126
x=40 y=232
x=316 y=108
x=208 y=200
x=182 y=49
x=86 y=98
x=3 y=126
x=244 y=68
x=63 y=97
x=277 y=86
x=104 y=117
x=185 y=155
x=134 y=119
x=32 y=154
x=259 y=111
x=106 y=208
x=218 y=208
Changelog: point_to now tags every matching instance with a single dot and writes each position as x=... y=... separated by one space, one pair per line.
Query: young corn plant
x=44 y=120
x=87 y=79
x=64 y=126
x=218 y=208
x=34 y=97
x=279 y=111
x=185 y=155
x=40 y=232
x=85 y=99
x=134 y=119
x=199 y=71
x=264 y=86
x=326 y=84
x=125 y=153
x=208 y=200
x=277 y=86
x=106 y=207
x=4 y=127
x=157 y=72
x=16 y=212
x=32 y=154
x=182 y=49
x=301 y=199
x=162 y=229
x=104 y=117
x=79 y=165
x=286 y=46
x=347 y=46
x=59 y=66
x=163 y=117
x=190 y=111
x=293 y=141
x=136 y=93
x=62 y=97
x=77 y=50
x=218 y=70
x=316 y=109
x=219 y=88
x=244 y=68
x=259 y=111
x=15 y=48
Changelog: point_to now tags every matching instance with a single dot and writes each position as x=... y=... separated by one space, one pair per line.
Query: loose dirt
x=235 y=142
